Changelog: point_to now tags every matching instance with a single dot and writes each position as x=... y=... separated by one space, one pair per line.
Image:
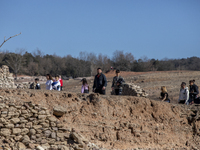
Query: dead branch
x=8 y=39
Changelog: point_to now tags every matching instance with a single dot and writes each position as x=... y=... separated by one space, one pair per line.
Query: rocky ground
x=61 y=120
x=92 y=121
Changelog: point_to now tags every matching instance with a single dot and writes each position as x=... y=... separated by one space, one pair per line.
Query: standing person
x=61 y=82
x=100 y=82
x=56 y=84
x=184 y=94
x=49 y=82
x=164 y=94
x=117 y=83
x=35 y=85
x=85 y=87
x=194 y=91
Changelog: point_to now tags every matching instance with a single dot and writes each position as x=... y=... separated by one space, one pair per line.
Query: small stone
x=9 y=126
x=52 y=119
x=47 y=133
x=20 y=146
x=42 y=117
x=59 y=111
x=37 y=126
x=5 y=132
x=15 y=120
x=53 y=135
x=24 y=131
x=18 y=138
x=32 y=131
x=16 y=131
x=43 y=112
x=60 y=135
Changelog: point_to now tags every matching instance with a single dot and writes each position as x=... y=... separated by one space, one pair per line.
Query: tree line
x=85 y=64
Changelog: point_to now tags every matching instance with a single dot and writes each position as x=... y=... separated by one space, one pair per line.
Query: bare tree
x=15 y=60
x=5 y=40
x=123 y=61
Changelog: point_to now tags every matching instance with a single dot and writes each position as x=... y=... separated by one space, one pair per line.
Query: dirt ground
x=114 y=122
x=126 y=122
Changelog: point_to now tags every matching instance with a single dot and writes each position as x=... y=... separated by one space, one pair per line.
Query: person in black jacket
x=193 y=91
x=100 y=82
x=35 y=85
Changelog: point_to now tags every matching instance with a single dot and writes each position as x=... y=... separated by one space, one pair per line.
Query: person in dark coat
x=117 y=84
x=35 y=85
x=100 y=82
x=194 y=91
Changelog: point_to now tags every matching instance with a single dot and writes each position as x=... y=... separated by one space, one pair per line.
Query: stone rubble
x=30 y=126
x=6 y=78
x=132 y=90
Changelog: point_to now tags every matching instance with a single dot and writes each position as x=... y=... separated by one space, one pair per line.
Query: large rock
x=59 y=111
x=5 y=132
x=20 y=146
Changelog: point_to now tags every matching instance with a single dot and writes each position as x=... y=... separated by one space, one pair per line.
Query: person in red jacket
x=61 y=82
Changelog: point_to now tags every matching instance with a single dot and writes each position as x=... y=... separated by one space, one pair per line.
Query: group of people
x=100 y=83
x=51 y=84
x=54 y=84
x=186 y=96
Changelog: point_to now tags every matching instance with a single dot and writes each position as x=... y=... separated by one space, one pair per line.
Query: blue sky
x=152 y=28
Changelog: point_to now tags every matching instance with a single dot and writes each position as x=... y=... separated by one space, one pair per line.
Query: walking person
x=61 y=82
x=184 y=94
x=164 y=95
x=117 y=83
x=49 y=82
x=100 y=82
x=194 y=91
x=56 y=84
x=85 y=87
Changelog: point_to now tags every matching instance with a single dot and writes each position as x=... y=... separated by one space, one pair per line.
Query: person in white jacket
x=49 y=82
x=184 y=94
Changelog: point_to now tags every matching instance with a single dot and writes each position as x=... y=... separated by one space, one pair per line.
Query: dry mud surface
x=119 y=122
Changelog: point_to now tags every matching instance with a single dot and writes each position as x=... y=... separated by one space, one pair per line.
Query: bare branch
x=8 y=39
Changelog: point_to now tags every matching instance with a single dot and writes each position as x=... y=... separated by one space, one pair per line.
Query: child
x=35 y=85
x=49 y=82
x=184 y=94
x=61 y=82
x=85 y=86
x=164 y=94
x=56 y=83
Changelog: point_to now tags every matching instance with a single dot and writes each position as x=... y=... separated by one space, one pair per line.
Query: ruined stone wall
x=28 y=126
x=132 y=90
x=6 y=78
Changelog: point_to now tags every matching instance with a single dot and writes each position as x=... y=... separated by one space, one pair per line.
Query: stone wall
x=27 y=126
x=132 y=90
x=6 y=78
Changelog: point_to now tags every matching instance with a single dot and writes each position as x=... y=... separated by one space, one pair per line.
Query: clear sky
x=152 y=28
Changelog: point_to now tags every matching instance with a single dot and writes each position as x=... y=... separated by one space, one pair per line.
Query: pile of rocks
x=23 y=85
x=132 y=90
x=6 y=78
x=30 y=126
